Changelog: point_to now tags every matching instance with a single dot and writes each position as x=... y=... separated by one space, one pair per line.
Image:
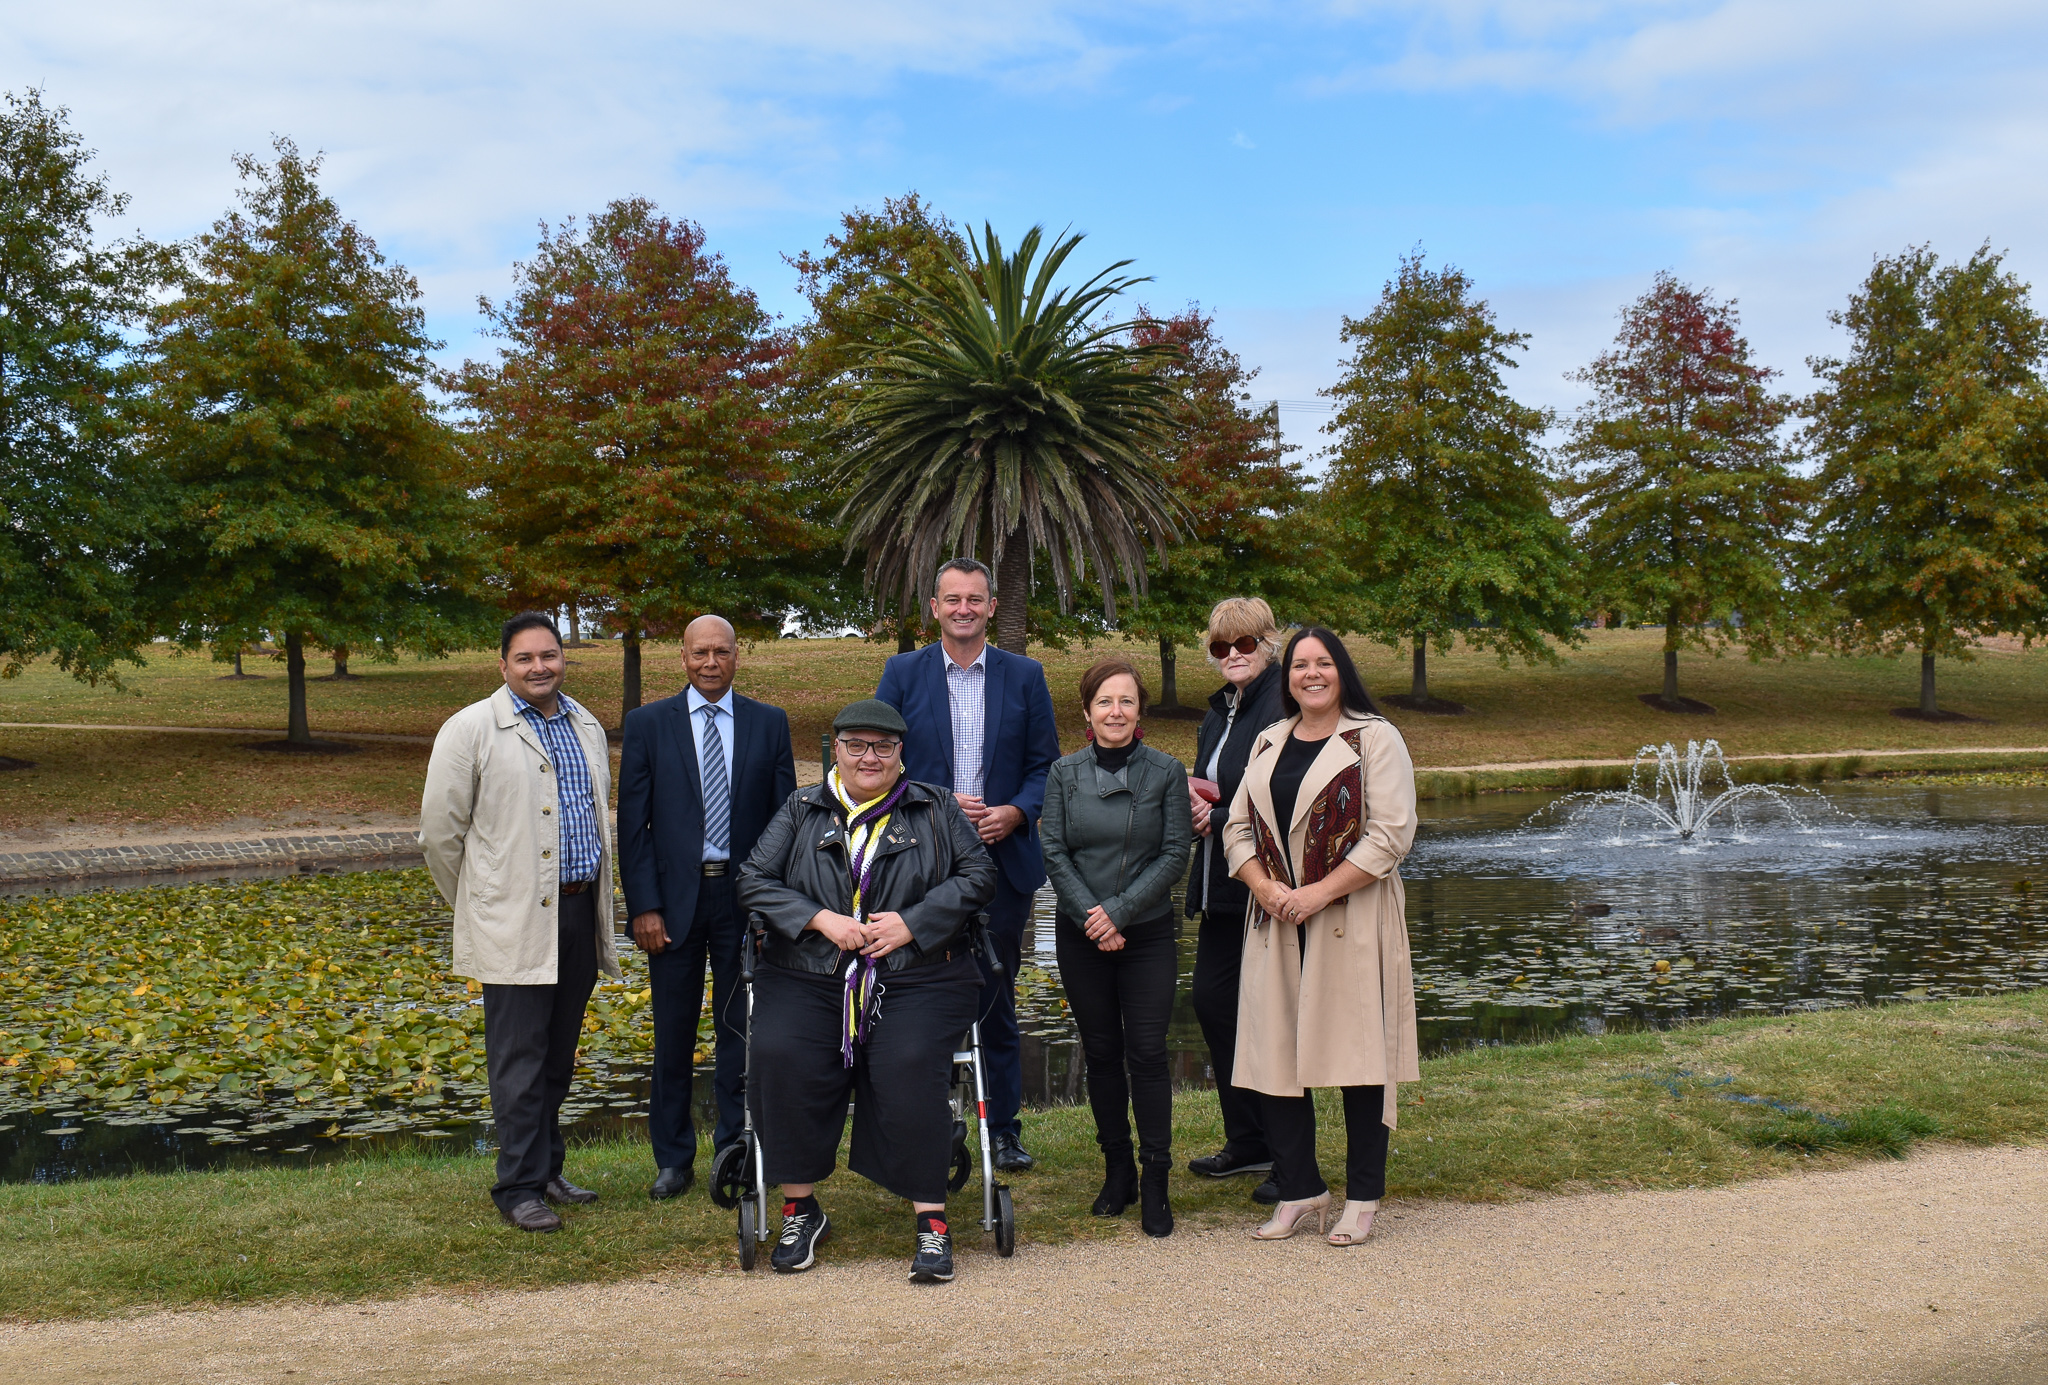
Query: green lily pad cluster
x=325 y=995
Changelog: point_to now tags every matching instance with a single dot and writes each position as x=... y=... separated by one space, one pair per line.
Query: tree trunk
x=1419 y=684
x=574 y=638
x=238 y=665
x=341 y=662
x=1927 y=707
x=295 y=668
x=1013 y=592
x=631 y=695
x=1169 y=688
x=1671 y=655
x=906 y=634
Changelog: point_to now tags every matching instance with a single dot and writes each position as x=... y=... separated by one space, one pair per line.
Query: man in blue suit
x=981 y=724
x=701 y=775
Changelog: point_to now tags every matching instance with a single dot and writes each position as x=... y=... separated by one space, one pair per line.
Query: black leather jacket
x=931 y=868
x=1258 y=707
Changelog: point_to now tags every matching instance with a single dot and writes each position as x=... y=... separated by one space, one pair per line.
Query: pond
x=1523 y=926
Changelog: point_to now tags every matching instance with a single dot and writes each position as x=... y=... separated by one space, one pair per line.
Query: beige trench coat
x=490 y=830
x=1346 y=1018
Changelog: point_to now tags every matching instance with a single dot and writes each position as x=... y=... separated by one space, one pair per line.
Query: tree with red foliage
x=1248 y=535
x=629 y=436
x=1687 y=510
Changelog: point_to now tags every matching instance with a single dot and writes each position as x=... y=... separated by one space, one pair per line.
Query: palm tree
x=1009 y=411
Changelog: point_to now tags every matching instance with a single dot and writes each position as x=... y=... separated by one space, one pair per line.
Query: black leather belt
x=576 y=886
x=715 y=867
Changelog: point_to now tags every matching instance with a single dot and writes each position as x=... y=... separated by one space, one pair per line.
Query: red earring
x=1091 y=733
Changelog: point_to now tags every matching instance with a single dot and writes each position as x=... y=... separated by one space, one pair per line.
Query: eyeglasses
x=1243 y=645
x=859 y=750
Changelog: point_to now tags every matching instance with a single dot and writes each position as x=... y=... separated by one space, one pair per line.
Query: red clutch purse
x=1208 y=790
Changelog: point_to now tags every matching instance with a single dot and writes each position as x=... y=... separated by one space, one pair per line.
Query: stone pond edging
x=179 y=858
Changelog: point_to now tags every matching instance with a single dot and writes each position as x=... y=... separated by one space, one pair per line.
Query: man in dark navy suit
x=701 y=775
x=981 y=724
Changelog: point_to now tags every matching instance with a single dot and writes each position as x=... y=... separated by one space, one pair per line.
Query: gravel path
x=1932 y=1270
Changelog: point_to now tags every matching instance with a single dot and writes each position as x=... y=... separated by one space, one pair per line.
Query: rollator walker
x=739 y=1178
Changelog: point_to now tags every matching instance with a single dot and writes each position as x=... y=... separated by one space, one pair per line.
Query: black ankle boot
x=1119 y=1183
x=1155 y=1213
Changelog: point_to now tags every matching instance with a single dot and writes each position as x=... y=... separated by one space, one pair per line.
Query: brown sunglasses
x=1244 y=645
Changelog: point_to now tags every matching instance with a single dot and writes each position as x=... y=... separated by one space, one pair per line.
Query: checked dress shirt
x=582 y=847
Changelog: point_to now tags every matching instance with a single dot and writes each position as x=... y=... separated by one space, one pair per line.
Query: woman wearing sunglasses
x=1244 y=643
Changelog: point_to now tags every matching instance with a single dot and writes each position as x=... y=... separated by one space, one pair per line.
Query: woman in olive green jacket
x=1116 y=834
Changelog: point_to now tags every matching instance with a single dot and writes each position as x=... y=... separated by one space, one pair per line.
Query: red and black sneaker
x=804 y=1227
x=933 y=1263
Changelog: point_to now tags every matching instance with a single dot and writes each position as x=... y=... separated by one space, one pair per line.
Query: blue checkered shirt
x=967 y=692
x=582 y=844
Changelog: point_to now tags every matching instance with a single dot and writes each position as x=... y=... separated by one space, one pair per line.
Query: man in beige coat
x=512 y=824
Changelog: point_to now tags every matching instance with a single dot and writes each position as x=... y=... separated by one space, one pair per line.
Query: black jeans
x=1121 y=1002
x=677 y=980
x=900 y=1082
x=530 y=1037
x=1291 y=1130
x=1002 y=1055
x=1219 y=955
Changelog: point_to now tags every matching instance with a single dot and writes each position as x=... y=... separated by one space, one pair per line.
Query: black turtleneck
x=1110 y=761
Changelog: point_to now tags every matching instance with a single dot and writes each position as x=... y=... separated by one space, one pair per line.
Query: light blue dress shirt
x=697 y=703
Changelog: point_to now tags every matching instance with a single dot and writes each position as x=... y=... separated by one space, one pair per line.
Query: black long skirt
x=899 y=1082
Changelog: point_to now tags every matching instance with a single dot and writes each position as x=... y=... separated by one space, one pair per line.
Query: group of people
x=947 y=806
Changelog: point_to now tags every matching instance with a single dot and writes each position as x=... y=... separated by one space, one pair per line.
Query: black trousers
x=530 y=1037
x=677 y=980
x=1219 y=956
x=1291 y=1130
x=1002 y=1054
x=900 y=1080
x=1122 y=1001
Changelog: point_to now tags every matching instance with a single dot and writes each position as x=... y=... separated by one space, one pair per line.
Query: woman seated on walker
x=866 y=884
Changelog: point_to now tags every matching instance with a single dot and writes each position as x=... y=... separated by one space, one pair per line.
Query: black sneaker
x=933 y=1263
x=796 y=1250
x=1224 y=1164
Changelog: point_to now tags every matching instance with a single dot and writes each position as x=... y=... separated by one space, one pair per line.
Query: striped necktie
x=717 y=788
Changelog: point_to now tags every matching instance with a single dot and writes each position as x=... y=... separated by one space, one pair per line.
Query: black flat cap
x=870 y=714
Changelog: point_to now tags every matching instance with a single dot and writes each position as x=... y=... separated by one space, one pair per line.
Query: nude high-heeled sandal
x=1288 y=1217
x=1355 y=1225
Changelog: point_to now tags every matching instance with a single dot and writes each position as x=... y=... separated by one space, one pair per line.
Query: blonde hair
x=1234 y=617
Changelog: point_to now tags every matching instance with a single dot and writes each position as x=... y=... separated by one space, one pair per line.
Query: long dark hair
x=1356 y=699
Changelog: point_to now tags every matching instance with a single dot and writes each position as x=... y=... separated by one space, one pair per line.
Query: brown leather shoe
x=561 y=1190
x=532 y=1216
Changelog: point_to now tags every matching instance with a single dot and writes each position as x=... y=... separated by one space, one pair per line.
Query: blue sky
x=1270 y=161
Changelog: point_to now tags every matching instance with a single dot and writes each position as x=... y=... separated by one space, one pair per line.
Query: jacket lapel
x=1330 y=762
x=511 y=717
x=1262 y=781
x=992 y=714
x=942 y=707
x=742 y=725
x=686 y=746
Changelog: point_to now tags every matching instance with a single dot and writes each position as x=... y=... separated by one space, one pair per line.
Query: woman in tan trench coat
x=1326 y=998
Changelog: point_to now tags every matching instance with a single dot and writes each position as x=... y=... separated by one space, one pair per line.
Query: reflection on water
x=1522 y=927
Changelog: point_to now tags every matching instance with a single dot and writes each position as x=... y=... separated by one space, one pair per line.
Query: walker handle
x=747 y=944
x=985 y=946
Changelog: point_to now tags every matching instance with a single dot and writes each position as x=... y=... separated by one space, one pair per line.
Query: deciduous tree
x=70 y=516
x=629 y=437
x=1438 y=483
x=1247 y=533
x=1687 y=510
x=1932 y=434
x=311 y=487
x=854 y=311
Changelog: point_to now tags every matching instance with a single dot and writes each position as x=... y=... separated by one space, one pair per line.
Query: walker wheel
x=1006 y=1224
x=956 y=1177
x=731 y=1174
x=749 y=1215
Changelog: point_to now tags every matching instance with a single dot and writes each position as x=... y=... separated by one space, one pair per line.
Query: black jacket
x=1258 y=707
x=932 y=869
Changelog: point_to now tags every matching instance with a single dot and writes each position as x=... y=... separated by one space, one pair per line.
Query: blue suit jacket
x=661 y=801
x=1018 y=745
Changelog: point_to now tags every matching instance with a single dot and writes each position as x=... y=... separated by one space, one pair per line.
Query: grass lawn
x=1706 y=1104
x=1585 y=709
